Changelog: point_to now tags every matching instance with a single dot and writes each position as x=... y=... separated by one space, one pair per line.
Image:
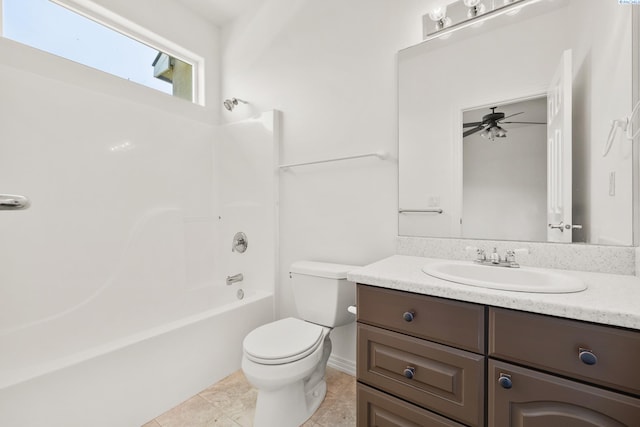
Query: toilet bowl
x=286 y=360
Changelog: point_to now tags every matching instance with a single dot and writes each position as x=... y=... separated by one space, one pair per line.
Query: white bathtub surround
x=609 y=299
x=602 y=259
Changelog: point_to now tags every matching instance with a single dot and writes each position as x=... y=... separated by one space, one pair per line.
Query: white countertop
x=609 y=298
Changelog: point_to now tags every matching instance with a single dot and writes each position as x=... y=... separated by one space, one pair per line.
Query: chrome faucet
x=235 y=278
x=495 y=259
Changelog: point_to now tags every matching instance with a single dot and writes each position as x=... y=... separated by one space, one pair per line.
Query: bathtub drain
x=240 y=294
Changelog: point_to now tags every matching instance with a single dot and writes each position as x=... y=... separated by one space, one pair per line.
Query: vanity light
x=439 y=16
x=475 y=8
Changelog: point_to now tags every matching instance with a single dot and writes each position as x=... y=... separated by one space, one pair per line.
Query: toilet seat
x=283 y=341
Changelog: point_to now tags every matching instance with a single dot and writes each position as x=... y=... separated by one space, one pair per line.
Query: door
x=524 y=397
x=559 y=200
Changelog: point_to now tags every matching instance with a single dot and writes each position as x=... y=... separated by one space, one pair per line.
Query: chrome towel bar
x=433 y=210
x=378 y=154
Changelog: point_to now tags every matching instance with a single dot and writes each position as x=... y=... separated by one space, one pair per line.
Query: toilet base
x=289 y=406
x=292 y=404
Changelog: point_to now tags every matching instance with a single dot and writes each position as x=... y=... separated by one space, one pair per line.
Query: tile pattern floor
x=231 y=403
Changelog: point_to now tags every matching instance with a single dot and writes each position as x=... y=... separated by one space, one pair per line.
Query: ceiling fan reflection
x=490 y=126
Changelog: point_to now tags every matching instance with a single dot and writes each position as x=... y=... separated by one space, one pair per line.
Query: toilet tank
x=322 y=292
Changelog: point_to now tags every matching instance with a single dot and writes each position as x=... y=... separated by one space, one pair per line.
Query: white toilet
x=286 y=359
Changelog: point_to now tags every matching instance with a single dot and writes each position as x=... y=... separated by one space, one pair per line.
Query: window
x=48 y=26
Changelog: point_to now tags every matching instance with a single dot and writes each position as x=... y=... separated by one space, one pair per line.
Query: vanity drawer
x=376 y=408
x=453 y=323
x=445 y=380
x=554 y=345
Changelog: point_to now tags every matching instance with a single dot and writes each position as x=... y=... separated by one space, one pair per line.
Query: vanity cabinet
x=426 y=361
x=594 y=354
x=415 y=349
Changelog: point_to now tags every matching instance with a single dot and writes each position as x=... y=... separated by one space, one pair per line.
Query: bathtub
x=79 y=370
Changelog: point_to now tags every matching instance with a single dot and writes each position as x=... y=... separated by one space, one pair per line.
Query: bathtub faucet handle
x=240 y=242
x=235 y=278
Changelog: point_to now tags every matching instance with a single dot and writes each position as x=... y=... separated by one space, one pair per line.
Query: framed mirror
x=513 y=129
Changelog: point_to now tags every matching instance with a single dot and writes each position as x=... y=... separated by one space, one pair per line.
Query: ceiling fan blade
x=468 y=125
x=525 y=123
x=472 y=131
x=515 y=114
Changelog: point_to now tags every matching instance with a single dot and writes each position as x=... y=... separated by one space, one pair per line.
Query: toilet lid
x=282 y=341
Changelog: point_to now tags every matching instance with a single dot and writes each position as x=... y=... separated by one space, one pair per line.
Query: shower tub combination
x=129 y=380
x=112 y=325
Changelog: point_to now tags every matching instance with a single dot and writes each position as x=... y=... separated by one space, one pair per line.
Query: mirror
x=565 y=64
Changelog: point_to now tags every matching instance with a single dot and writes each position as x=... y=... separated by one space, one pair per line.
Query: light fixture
x=439 y=16
x=492 y=132
x=475 y=8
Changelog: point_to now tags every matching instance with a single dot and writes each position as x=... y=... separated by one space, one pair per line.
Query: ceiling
x=221 y=12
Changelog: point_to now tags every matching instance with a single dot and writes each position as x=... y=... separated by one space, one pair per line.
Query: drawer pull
x=409 y=372
x=505 y=381
x=587 y=357
x=408 y=316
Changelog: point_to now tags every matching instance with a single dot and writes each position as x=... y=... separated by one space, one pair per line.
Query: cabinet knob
x=505 y=381
x=587 y=357
x=408 y=316
x=409 y=372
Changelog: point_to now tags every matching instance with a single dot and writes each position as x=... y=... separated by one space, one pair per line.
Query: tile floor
x=231 y=403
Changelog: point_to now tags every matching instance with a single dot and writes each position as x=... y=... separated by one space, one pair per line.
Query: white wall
x=330 y=67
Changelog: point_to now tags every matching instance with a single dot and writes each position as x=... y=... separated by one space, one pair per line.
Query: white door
x=559 y=200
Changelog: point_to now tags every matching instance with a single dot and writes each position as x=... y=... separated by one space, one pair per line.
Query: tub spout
x=235 y=278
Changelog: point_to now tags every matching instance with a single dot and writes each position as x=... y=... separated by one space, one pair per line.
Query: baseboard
x=342 y=365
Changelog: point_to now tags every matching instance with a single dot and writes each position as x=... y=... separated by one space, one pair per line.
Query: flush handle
x=409 y=372
x=587 y=357
x=11 y=202
x=408 y=316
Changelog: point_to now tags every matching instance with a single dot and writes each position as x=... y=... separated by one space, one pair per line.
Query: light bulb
x=438 y=13
x=476 y=10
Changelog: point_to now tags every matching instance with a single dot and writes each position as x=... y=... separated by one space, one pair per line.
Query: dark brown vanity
x=430 y=361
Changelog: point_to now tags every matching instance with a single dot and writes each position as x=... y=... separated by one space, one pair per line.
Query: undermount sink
x=523 y=279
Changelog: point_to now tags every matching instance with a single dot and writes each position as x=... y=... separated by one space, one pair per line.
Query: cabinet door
x=523 y=397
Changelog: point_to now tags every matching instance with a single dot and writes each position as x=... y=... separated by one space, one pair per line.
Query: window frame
x=124 y=26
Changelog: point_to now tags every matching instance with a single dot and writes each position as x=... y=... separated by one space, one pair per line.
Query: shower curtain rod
x=378 y=154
